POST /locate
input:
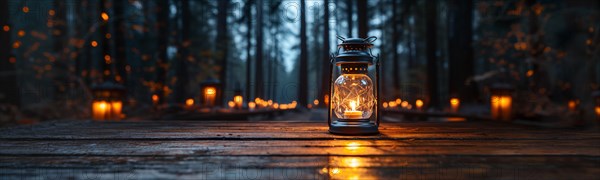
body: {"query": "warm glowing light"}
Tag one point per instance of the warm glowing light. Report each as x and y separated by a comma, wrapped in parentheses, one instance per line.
(108, 36)
(404, 104)
(155, 98)
(107, 59)
(51, 12)
(398, 101)
(385, 104)
(419, 104)
(270, 102)
(283, 106)
(239, 100)
(454, 104)
(352, 146)
(276, 105)
(94, 43)
(326, 99)
(210, 94)
(251, 105)
(316, 102)
(231, 104)
(6, 28)
(597, 111)
(501, 107)
(530, 73)
(21, 33)
(189, 102)
(25, 9)
(393, 104)
(353, 113)
(572, 105)
(104, 16)
(104, 110)
(335, 171)
(352, 162)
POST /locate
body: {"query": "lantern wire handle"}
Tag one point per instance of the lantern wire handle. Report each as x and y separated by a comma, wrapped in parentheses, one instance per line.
(369, 39)
(340, 38)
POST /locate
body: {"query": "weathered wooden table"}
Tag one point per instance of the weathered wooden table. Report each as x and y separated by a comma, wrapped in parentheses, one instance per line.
(294, 150)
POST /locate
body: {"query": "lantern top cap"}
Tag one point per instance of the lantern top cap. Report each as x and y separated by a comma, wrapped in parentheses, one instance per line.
(210, 81)
(108, 85)
(357, 41)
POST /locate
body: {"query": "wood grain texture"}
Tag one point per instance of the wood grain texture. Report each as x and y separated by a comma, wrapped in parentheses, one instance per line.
(294, 150)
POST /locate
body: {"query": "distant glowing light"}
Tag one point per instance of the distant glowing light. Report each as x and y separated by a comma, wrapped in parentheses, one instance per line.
(189, 102)
(419, 103)
(21, 33)
(316, 102)
(231, 104)
(94, 43)
(51, 12)
(25, 9)
(6, 28)
(530, 73)
(104, 16)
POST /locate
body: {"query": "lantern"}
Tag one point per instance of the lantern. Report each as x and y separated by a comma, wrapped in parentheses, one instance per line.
(210, 92)
(108, 101)
(501, 101)
(354, 97)
(454, 105)
(238, 99)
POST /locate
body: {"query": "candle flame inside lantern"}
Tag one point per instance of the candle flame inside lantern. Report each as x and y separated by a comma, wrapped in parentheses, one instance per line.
(353, 105)
(238, 100)
(454, 104)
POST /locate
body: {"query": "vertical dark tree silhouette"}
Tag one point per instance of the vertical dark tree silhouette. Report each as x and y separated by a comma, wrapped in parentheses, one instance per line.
(258, 69)
(325, 86)
(104, 31)
(183, 52)
(395, 38)
(349, 5)
(460, 50)
(362, 7)
(9, 93)
(120, 27)
(248, 17)
(162, 19)
(303, 73)
(431, 48)
(60, 50)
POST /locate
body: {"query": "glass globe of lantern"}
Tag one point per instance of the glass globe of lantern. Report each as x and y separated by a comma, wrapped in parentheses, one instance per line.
(107, 103)
(353, 108)
(501, 101)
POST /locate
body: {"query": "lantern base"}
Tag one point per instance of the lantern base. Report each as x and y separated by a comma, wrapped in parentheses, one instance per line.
(353, 128)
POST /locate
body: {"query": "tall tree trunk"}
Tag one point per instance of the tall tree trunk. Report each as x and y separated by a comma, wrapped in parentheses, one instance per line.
(349, 5)
(61, 63)
(182, 74)
(223, 43)
(362, 7)
(395, 38)
(460, 50)
(104, 31)
(120, 59)
(303, 73)
(432, 65)
(163, 41)
(325, 86)
(248, 16)
(9, 93)
(259, 51)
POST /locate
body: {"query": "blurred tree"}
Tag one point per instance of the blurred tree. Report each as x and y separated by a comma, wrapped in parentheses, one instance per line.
(182, 81)
(10, 91)
(460, 50)
(259, 67)
(325, 61)
(431, 53)
(222, 42)
(303, 73)
(362, 9)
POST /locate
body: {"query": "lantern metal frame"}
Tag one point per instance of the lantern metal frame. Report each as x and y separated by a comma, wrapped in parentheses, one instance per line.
(214, 83)
(364, 58)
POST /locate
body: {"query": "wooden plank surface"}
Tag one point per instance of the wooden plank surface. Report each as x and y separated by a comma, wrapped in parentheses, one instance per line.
(294, 150)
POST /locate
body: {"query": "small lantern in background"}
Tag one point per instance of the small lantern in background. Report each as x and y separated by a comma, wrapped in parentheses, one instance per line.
(501, 101)
(251, 106)
(238, 99)
(454, 105)
(572, 105)
(108, 101)
(419, 103)
(354, 106)
(210, 92)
